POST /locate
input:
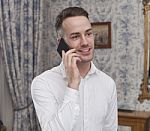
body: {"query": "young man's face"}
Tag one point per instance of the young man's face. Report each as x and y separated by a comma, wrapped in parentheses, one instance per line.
(78, 34)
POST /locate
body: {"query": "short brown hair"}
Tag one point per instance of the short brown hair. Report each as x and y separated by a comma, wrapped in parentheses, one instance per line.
(69, 12)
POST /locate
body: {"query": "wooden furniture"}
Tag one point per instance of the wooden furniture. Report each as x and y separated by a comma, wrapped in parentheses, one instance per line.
(137, 120)
(145, 93)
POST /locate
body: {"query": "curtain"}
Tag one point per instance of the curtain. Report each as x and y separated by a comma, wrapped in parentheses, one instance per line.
(21, 40)
(5, 100)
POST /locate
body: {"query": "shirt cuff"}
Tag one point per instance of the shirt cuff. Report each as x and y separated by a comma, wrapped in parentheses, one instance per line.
(72, 94)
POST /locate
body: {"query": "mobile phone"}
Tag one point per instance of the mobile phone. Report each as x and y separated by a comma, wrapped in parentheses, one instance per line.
(62, 46)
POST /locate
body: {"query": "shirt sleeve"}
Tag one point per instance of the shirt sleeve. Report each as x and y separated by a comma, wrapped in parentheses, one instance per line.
(111, 120)
(52, 115)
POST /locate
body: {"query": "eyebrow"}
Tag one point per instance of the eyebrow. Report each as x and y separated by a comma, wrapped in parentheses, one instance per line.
(76, 33)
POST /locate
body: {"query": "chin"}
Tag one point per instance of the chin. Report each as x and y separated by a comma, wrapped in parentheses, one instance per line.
(86, 60)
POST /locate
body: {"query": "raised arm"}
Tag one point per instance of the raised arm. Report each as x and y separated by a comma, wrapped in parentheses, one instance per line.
(54, 115)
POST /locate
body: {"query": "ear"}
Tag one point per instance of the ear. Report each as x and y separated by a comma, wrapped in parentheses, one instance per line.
(59, 36)
(58, 40)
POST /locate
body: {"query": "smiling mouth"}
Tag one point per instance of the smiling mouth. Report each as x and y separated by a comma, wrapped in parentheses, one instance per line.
(84, 50)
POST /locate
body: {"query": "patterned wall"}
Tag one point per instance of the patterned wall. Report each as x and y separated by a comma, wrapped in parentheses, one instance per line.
(124, 61)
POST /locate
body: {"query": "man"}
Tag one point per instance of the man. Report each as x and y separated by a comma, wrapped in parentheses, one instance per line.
(75, 96)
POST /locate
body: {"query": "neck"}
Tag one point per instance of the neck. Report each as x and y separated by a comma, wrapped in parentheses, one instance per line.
(84, 68)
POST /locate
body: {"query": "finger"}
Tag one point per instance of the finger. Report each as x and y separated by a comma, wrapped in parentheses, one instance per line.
(70, 57)
(70, 51)
(64, 58)
(63, 54)
(75, 60)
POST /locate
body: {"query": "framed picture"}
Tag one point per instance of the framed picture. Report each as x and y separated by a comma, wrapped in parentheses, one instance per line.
(102, 33)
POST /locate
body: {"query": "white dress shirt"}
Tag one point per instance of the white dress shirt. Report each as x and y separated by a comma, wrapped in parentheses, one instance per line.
(60, 108)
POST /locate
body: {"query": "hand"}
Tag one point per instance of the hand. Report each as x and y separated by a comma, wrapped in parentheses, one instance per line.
(70, 59)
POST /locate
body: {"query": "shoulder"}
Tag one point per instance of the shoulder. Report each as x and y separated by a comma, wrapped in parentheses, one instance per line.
(103, 76)
(107, 81)
(48, 76)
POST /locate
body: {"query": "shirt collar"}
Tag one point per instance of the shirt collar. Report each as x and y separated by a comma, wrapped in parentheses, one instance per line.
(92, 70)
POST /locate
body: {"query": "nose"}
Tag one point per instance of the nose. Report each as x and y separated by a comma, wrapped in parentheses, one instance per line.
(83, 40)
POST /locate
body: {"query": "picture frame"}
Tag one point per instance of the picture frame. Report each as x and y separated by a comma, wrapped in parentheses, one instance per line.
(102, 34)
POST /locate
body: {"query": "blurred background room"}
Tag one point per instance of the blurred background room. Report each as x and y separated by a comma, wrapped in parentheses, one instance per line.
(28, 47)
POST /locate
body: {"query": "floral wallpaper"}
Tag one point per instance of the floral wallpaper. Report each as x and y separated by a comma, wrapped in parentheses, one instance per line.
(124, 61)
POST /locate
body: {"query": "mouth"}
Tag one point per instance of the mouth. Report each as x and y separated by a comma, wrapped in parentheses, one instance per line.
(84, 51)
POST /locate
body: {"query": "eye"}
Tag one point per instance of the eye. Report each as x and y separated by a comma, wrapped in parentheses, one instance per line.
(75, 37)
(89, 34)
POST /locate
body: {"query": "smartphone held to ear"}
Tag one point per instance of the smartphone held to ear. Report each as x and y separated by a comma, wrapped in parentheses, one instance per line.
(62, 46)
